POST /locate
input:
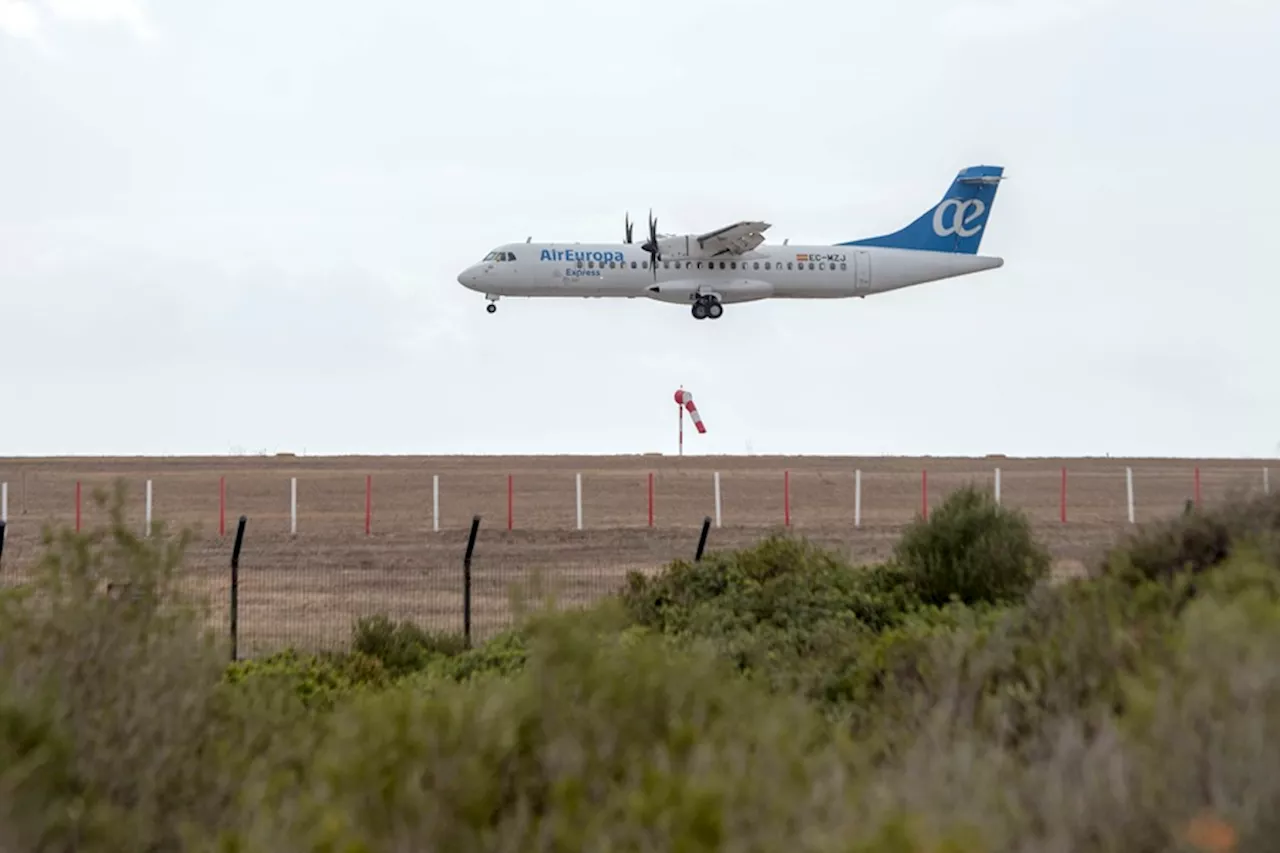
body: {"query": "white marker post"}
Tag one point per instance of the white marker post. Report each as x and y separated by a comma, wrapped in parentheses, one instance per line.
(717, 479)
(997, 486)
(148, 531)
(1128, 476)
(293, 506)
(435, 502)
(578, 479)
(4, 502)
(857, 498)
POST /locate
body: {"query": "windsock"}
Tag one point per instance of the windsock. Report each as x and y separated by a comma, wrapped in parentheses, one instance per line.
(684, 398)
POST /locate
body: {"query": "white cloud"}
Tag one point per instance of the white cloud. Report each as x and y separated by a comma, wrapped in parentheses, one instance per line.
(20, 19)
(26, 18)
(127, 12)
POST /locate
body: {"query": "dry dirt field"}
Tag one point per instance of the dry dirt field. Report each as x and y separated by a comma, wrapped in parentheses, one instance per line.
(307, 590)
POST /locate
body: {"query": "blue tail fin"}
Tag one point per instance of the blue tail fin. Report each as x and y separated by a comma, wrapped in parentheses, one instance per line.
(956, 223)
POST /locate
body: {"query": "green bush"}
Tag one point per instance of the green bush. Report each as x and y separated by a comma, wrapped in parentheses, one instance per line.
(596, 744)
(319, 681)
(403, 647)
(783, 583)
(1194, 542)
(766, 698)
(973, 550)
(115, 713)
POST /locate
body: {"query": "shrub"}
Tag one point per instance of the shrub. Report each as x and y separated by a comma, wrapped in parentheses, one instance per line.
(403, 647)
(1194, 542)
(112, 708)
(783, 583)
(596, 744)
(973, 550)
(318, 681)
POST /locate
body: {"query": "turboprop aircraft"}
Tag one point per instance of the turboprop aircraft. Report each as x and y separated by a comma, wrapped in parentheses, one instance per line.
(732, 264)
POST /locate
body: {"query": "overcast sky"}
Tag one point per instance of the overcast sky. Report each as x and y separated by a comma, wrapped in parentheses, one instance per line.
(238, 225)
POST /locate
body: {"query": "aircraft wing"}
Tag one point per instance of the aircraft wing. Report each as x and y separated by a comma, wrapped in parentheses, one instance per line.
(736, 239)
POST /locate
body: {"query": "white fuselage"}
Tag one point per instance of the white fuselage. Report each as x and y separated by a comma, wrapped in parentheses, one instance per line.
(622, 270)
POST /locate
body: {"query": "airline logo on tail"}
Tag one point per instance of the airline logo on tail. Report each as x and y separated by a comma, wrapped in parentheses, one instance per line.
(955, 224)
(966, 211)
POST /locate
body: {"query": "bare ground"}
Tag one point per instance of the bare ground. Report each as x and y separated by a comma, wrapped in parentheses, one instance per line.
(307, 590)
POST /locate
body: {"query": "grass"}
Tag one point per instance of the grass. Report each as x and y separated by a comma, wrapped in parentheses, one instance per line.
(952, 698)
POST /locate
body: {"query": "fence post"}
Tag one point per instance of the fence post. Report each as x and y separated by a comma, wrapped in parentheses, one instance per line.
(435, 502)
(1062, 498)
(578, 483)
(148, 531)
(717, 482)
(786, 498)
(235, 589)
(3, 525)
(651, 499)
(293, 506)
(997, 487)
(466, 580)
(857, 498)
(702, 540)
(1128, 476)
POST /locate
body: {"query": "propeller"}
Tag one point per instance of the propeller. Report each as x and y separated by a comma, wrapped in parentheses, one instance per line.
(652, 246)
(629, 223)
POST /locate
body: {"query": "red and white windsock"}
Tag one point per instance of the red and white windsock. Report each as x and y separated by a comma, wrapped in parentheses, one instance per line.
(684, 398)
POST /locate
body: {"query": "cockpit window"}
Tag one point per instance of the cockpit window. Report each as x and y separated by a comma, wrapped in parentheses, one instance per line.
(499, 257)
(492, 256)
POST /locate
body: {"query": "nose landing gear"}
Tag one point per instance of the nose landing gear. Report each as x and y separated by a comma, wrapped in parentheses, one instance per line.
(492, 307)
(707, 307)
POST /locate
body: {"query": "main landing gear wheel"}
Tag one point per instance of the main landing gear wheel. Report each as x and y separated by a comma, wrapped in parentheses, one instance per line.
(491, 308)
(707, 307)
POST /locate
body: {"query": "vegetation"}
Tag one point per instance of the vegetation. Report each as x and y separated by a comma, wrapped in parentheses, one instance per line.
(955, 698)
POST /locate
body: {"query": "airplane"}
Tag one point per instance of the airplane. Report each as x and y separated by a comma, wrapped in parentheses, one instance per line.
(732, 265)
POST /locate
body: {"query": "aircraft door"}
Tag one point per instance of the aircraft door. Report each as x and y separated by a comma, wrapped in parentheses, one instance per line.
(862, 272)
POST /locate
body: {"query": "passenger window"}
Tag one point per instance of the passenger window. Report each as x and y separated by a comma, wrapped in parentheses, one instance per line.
(767, 265)
(612, 265)
(755, 265)
(822, 266)
(842, 265)
(733, 265)
(810, 264)
(644, 265)
(699, 264)
(633, 264)
(579, 264)
(722, 265)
